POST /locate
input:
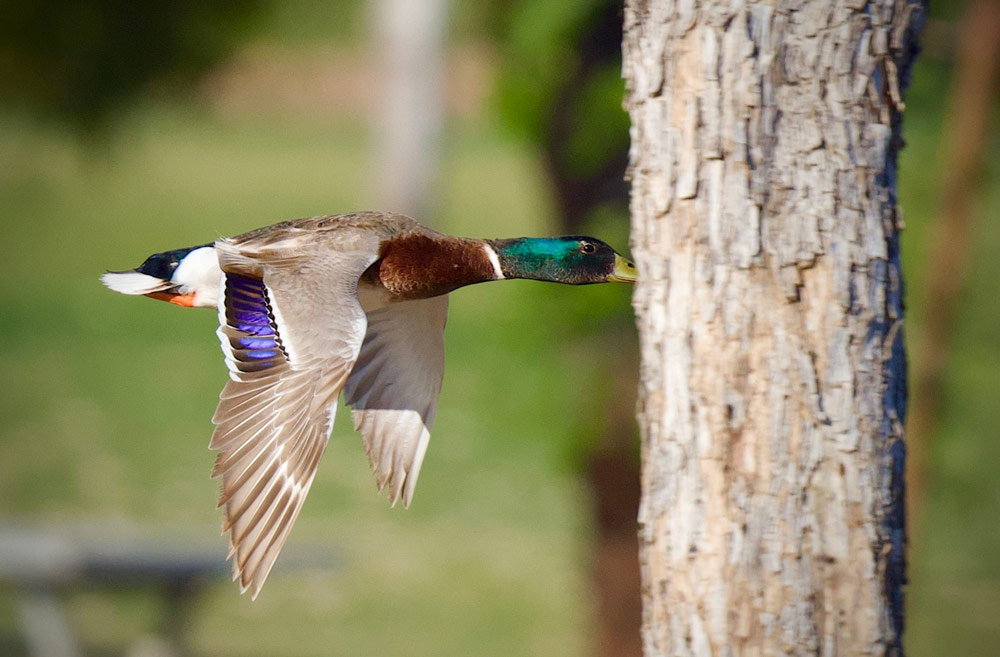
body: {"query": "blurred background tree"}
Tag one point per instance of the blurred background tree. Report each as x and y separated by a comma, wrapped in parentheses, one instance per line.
(224, 116)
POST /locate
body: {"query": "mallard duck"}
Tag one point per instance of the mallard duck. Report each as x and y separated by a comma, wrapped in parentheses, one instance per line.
(310, 308)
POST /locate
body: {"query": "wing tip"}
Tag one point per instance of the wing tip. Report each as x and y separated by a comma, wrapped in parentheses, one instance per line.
(246, 580)
(408, 493)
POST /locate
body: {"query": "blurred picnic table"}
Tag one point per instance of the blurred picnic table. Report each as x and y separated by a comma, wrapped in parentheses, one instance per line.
(46, 563)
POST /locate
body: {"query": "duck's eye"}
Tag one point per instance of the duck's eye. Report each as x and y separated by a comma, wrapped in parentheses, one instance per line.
(588, 247)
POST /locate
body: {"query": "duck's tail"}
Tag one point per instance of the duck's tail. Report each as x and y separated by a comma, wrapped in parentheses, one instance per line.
(185, 277)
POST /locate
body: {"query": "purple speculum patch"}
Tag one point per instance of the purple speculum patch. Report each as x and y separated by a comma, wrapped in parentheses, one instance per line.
(247, 311)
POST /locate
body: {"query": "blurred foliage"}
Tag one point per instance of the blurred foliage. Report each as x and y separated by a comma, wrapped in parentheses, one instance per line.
(80, 60)
(307, 23)
(560, 88)
(540, 54)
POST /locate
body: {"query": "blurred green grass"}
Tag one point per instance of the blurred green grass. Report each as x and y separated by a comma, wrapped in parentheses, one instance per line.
(107, 399)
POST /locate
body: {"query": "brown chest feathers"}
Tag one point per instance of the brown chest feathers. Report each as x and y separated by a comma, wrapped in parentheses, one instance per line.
(414, 266)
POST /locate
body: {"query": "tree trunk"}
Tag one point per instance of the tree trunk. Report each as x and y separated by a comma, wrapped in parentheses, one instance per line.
(772, 392)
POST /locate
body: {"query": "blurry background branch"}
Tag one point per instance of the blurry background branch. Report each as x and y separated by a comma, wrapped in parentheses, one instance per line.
(971, 109)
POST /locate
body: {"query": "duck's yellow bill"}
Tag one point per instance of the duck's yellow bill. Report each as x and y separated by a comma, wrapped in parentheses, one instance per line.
(624, 271)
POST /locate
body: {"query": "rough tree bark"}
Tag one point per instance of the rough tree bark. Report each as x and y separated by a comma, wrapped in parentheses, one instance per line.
(772, 393)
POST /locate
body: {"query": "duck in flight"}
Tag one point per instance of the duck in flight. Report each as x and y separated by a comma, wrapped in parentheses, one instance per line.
(312, 308)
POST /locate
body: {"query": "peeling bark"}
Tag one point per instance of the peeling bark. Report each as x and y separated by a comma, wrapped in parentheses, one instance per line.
(772, 392)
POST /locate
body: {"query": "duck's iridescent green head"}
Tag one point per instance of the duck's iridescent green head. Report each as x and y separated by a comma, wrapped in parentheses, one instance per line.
(573, 259)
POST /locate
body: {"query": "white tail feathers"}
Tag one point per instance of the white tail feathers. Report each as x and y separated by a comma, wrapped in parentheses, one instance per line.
(133, 282)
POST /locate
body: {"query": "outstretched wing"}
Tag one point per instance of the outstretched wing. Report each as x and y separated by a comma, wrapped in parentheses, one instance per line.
(393, 389)
(289, 346)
